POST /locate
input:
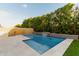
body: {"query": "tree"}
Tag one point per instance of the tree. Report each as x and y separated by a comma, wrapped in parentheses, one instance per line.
(63, 20)
(27, 23)
(18, 25)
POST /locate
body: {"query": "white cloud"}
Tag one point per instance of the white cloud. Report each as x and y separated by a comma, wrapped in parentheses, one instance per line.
(4, 13)
(24, 5)
(9, 19)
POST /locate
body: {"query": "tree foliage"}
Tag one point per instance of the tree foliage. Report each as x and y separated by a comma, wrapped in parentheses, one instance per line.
(18, 25)
(63, 20)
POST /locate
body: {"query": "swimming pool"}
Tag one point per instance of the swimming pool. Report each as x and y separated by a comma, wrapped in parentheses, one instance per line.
(42, 43)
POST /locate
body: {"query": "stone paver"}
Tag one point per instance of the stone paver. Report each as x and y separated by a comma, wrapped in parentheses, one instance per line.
(13, 47)
(59, 49)
(20, 37)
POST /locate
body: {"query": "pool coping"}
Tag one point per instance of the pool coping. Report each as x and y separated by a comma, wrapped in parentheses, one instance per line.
(59, 49)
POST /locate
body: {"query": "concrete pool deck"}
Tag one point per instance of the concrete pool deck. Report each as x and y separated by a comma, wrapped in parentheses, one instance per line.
(14, 46)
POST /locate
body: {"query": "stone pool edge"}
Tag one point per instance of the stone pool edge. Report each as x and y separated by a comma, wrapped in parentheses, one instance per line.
(59, 49)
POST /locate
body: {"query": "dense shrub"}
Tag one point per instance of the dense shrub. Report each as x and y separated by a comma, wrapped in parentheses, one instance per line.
(63, 20)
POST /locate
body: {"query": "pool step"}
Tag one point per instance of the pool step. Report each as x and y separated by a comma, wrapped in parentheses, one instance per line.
(37, 46)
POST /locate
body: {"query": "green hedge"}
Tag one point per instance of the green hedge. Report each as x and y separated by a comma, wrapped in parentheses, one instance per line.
(63, 20)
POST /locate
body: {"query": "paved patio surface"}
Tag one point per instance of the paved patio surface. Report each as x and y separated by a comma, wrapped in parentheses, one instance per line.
(14, 46)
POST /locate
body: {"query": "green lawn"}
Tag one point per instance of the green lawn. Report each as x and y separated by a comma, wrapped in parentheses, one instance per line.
(73, 49)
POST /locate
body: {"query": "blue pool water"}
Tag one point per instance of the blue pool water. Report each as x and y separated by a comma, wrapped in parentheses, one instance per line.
(42, 43)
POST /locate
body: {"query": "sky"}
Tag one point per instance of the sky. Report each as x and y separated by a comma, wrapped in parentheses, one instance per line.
(14, 13)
